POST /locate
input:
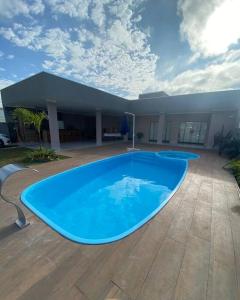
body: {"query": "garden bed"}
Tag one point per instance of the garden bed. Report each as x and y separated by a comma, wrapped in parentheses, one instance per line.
(21, 155)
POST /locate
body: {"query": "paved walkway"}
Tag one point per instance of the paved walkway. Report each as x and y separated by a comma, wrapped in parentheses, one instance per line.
(190, 250)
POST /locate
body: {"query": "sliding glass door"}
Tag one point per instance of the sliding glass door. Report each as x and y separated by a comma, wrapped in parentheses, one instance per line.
(153, 132)
(192, 132)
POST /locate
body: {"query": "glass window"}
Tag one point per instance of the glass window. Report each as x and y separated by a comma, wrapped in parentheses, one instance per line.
(192, 132)
(167, 133)
(153, 131)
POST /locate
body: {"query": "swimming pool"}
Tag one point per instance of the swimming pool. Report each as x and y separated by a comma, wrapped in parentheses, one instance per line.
(108, 199)
(178, 154)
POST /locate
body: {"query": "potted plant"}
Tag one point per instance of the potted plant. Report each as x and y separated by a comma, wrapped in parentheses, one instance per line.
(140, 136)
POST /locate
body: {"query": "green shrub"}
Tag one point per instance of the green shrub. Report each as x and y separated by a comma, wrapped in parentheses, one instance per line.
(41, 155)
(228, 145)
(234, 166)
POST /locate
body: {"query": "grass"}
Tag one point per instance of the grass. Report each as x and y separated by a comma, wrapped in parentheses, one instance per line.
(11, 155)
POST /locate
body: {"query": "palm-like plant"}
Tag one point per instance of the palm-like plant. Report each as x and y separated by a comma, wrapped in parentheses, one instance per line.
(29, 117)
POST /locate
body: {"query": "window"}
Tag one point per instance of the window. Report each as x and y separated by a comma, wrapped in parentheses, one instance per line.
(192, 132)
(153, 131)
(167, 133)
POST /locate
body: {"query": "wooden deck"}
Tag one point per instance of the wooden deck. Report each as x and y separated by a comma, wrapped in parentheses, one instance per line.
(190, 250)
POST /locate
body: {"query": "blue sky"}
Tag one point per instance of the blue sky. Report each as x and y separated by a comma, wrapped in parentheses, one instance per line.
(125, 47)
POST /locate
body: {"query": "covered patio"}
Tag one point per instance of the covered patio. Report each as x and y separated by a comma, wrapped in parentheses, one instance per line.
(76, 113)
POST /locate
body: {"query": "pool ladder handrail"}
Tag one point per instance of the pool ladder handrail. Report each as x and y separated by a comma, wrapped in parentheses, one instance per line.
(5, 172)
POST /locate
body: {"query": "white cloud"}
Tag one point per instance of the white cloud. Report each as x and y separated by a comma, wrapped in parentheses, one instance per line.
(233, 55)
(54, 42)
(20, 35)
(10, 56)
(116, 55)
(72, 8)
(223, 74)
(98, 14)
(122, 10)
(12, 8)
(4, 83)
(116, 59)
(210, 26)
(193, 58)
(212, 78)
(37, 7)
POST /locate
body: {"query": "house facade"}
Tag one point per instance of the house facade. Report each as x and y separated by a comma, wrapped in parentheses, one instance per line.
(78, 113)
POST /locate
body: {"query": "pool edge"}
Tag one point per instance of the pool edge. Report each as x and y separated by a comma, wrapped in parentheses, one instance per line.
(78, 240)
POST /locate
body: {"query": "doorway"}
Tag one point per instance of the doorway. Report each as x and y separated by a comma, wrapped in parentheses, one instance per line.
(192, 133)
(153, 131)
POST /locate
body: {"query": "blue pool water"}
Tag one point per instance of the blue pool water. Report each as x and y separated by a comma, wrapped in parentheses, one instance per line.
(178, 154)
(108, 199)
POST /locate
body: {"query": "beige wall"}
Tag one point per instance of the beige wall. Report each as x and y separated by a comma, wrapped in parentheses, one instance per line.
(176, 120)
(219, 121)
(215, 122)
(143, 125)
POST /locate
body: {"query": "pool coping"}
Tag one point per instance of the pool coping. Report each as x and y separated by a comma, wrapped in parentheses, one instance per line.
(75, 238)
(195, 156)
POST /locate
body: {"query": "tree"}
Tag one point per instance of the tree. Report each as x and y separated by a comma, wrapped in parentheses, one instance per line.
(29, 117)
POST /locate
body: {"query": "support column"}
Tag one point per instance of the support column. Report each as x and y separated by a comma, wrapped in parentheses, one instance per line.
(98, 128)
(215, 126)
(174, 133)
(53, 125)
(161, 125)
(212, 129)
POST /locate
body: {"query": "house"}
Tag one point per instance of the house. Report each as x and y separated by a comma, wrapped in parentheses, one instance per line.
(78, 113)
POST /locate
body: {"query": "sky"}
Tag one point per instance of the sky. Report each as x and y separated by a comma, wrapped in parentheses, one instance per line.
(125, 47)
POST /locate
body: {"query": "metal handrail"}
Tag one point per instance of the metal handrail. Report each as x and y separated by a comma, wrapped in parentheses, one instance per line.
(5, 172)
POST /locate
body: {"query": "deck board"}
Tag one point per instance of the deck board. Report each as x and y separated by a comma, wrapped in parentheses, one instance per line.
(201, 222)
(189, 250)
(134, 269)
(162, 278)
(193, 277)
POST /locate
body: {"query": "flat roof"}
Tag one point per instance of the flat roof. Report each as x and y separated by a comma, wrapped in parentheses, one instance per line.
(35, 91)
(189, 103)
(69, 95)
